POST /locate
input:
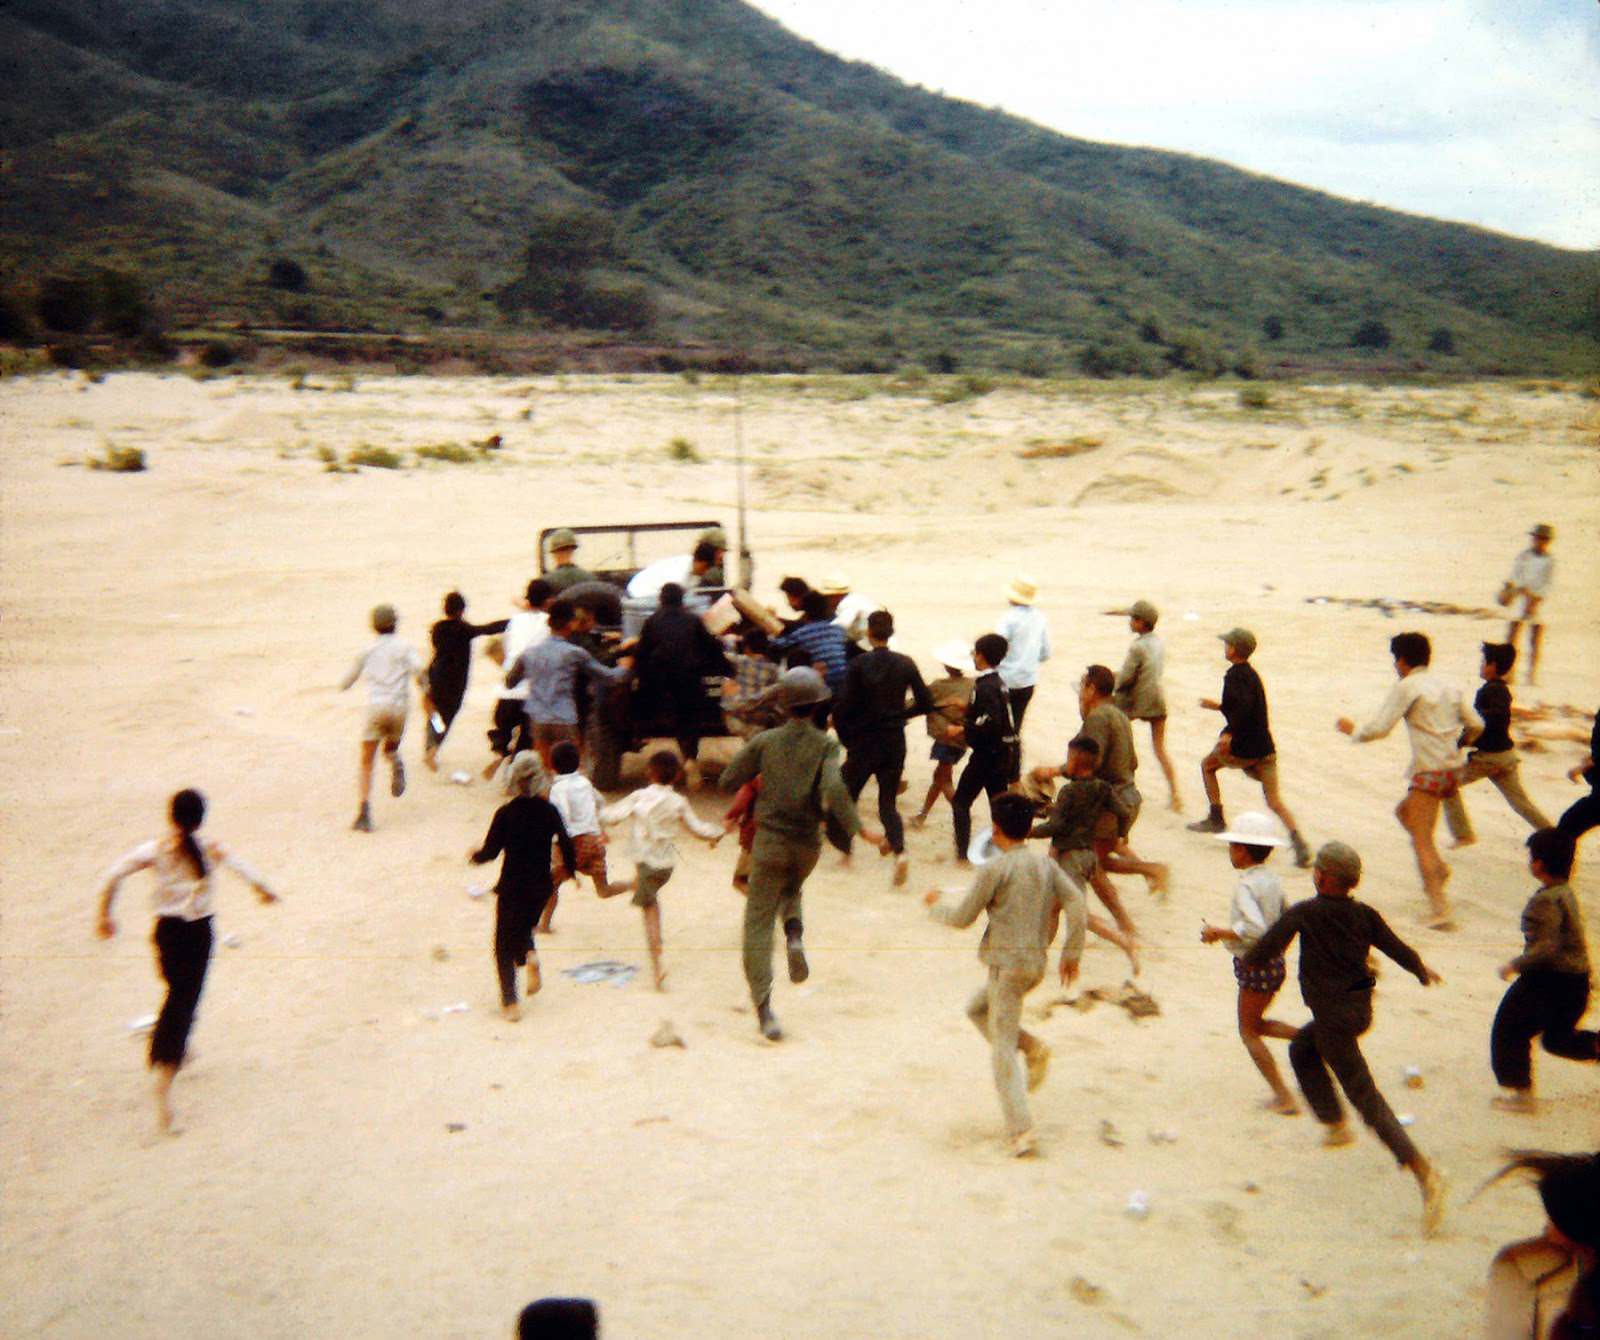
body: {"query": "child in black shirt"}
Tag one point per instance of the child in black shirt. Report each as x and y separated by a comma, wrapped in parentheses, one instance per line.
(1493, 754)
(447, 673)
(1336, 933)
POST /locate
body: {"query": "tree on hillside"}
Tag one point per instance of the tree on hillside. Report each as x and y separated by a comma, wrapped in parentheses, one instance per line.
(288, 275)
(1442, 341)
(1371, 335)
(1272, 328)
(559, 280)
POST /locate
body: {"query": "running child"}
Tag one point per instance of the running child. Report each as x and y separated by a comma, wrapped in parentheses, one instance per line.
(1336, 935)
(183, 865)
(1258, 902)
(388, 666)
(578, 803)
(523, 829)
(1549, 989)
(1024, 893)
(991, 735)
(1493, 755)
(1083, 817)
(448, 672)
(1139, 692)
(950, 695)
(657, 811)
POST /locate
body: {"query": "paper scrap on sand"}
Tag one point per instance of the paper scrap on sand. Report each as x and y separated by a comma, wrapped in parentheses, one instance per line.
(602, 970)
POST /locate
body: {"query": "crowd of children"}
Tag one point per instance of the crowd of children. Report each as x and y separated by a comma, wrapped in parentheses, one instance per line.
(817, 731)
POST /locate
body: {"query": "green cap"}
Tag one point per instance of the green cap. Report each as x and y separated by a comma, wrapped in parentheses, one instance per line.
(714, 536)
(1340, 859)
(561, 539)
(1242, 639)
(1144, 611)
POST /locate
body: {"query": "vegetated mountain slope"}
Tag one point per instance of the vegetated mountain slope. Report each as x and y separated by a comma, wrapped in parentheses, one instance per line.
(760, 190)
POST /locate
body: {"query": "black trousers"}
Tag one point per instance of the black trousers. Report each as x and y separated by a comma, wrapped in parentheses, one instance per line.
(446, 700)
(510, 732)
(514, 917)
(1019, 699)
(1580, 816)
(990, 773)
(1538, 1003)
(883, 756)
(183, 951)
(1331, 1041)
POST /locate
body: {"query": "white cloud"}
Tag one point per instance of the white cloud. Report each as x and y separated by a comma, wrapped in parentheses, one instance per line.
(1485, 111)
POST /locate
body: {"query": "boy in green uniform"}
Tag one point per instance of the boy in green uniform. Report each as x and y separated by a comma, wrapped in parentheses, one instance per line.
(798, 763)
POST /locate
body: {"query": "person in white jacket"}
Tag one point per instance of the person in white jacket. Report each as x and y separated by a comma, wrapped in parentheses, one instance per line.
(657, 811)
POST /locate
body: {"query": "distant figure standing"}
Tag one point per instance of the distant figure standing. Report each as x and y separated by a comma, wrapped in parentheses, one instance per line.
(564, 572)
(1529, 583)
(1139, 692)
(388, 666)
(1027, 635)
(1493, 754)
(183, 866)
(1437, 720)
(1245, 742)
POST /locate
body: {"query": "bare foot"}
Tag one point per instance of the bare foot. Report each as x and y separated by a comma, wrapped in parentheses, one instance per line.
(1284, 1106)
(1338, 1136)
(430, 760)
(1432, 1182)
(1038, 1063)
(511, 1013)
(1463, 842)
(1023, 1145)
(535, 978)
(661, 979)
(1160, 880)
(1441, 921)
(918, 820)
(494, 767)
(1175, 804)
(1520, 1101)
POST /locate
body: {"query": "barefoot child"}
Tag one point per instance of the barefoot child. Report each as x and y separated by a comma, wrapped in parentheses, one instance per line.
(578, 803)
(388, 665)
(448, 671)
(1258, 902)
(183, 865)
(950, 698)
(1549, 989)
(1493, 754)
(1336, 934)
(1083, 812)
(1138, 690)
(1438, 722)
(1023, 892)
(657, 810)
(523, 829)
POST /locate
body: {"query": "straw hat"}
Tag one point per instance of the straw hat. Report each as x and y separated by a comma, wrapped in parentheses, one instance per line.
(1022, 591)
(1255, 829)
(835, 584)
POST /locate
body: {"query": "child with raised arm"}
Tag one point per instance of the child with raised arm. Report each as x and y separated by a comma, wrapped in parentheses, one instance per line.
(388, 666)
(1084, 814)
(1493, 754)
(1258, 902)
(523, 829)
(657, 811)
(950, 695)
(578, 803)
(183, 865)
(1336, 935)
(1549, 989)
(448, 672)
(1023, 892)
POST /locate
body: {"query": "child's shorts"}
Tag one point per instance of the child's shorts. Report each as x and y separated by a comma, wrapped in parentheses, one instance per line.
(385, 725)
(651, 878)
(1266, 977)
(947, 753)
(591, 854)
(1443, 783)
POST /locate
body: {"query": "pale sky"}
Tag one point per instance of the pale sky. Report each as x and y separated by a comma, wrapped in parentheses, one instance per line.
(1482, 111)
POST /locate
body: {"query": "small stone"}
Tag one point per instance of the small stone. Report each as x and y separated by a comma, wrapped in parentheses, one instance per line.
(1109, 1136)
(454, 1126)
(1085, 1292)
(441, 954)
(1251, 1188)
(667, 1036)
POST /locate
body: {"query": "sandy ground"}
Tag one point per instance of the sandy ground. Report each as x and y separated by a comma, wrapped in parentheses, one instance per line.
(186, 626)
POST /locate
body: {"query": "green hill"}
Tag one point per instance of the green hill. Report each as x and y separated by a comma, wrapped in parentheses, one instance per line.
(687, 171)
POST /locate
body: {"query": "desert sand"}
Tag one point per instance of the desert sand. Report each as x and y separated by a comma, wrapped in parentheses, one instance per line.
(358, 1161)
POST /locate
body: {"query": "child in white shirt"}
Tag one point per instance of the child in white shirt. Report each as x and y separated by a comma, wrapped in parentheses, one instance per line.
(578, 803)
(1258, 902)
(656, 811)
(388, 666)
